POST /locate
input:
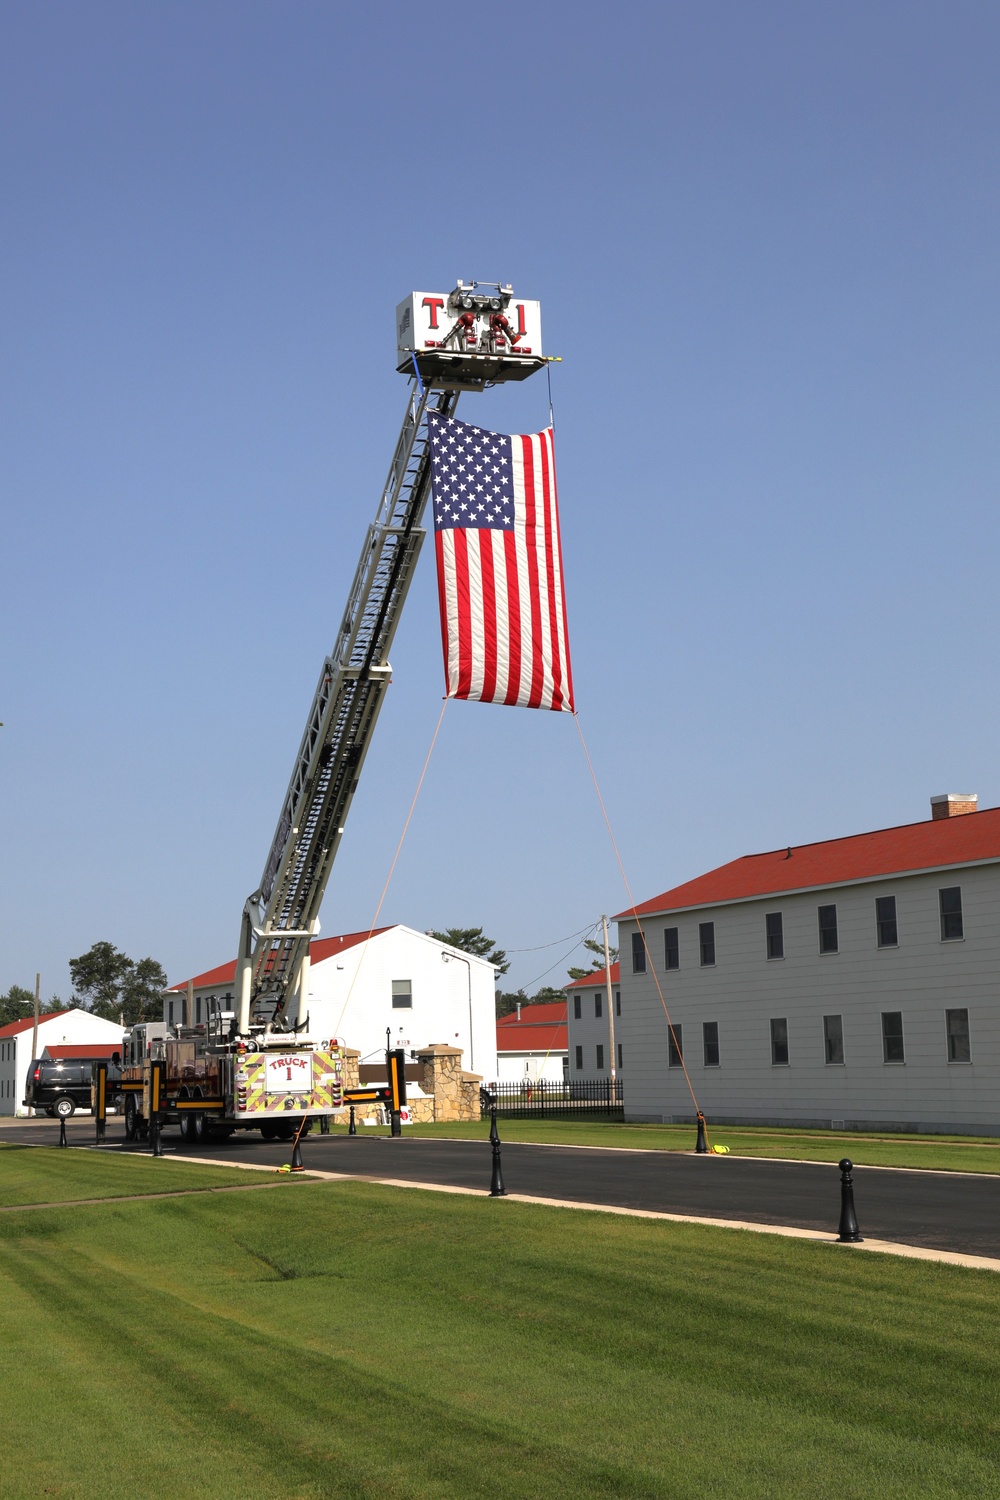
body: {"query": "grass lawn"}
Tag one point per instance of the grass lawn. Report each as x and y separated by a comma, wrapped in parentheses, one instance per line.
(44, 1174)
(942, 1153)
(354, 1341)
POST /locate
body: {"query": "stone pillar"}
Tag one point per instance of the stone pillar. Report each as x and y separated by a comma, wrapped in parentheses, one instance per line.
(349, 1072)
(455, 1092)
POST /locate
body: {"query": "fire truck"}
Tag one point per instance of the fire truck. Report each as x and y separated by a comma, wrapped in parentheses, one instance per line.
(258, 1066)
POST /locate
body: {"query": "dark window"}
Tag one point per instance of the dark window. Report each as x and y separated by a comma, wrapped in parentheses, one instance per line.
(402, 994)
(638, 954)
(892, 1036)
(600, 1059)
(885, 921)
(833, 1038)
(957, 1025)
(576, 1007)
(706, 942)
(951, 913)
(671, 948)
(779, 1040)
(618, 1002)
(598, 1005)
(775, 935)
(619, 1054)
(675, 1046)
(579, 1057)
(710, 1035)
(827, 929)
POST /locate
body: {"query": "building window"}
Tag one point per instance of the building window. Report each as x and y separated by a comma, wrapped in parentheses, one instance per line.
(957, 1026)
(671, 948)
(618, 1002)
(402, 994)
(885, 921)
(600, 1058)
(619, 1055)
(827, 929)
(638, 954)
(892, 1036)
(775, 935)
(579, 1057)
(710, 1037)
(951, 913)
(833, 1038)
(779, 1041)
(675, 1047)
(706, 942)
(598, 1005)
(576, 1007)
(197, 1011)
(170, 1017)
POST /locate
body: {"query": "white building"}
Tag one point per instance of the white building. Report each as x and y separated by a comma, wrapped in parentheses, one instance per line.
(423, 991)
(588, 1022)
(531, 1044)
(64, 1026)
(853, 983)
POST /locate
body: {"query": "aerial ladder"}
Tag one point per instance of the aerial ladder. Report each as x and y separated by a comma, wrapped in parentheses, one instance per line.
(258, 1067)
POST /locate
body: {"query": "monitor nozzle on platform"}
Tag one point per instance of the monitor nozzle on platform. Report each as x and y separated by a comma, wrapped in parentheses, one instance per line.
(476, 336)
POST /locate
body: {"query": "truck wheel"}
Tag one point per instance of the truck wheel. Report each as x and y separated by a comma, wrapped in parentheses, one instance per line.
(64, 1107)
(131, 1118)
(196, 1128)
(269, 1131)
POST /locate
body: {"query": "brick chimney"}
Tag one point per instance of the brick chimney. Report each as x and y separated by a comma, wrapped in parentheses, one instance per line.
(954, 805)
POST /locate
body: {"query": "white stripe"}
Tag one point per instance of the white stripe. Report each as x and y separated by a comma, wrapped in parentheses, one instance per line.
(475, 613)
(523, 581)
(502, 615)
(451, 609)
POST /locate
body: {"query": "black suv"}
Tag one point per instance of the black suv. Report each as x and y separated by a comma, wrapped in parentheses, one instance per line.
(61, 1088)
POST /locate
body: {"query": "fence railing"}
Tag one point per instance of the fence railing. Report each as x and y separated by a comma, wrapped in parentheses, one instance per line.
(548, 1097)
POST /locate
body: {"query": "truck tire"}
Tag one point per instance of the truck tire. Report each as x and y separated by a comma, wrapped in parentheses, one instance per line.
(64, 1107)
(131, 1118)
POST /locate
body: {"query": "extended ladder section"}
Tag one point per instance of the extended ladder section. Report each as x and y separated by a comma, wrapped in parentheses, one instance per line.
(282, 915)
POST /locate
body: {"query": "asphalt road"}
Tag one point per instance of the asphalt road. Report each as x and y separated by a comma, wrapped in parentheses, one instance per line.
(944, 1211)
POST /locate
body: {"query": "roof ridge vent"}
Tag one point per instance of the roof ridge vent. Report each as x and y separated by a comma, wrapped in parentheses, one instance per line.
(954, 805)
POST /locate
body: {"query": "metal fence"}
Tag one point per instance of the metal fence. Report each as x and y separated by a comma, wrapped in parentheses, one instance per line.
(546, 1097)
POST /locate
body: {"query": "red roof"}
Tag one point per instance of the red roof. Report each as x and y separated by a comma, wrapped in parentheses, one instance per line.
(597, 979)
(542, 1028)
(16, 1027)
(971, 838)
(319, 950)
(88, 1049)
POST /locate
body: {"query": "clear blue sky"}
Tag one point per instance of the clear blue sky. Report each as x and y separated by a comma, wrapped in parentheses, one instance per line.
(765, 241)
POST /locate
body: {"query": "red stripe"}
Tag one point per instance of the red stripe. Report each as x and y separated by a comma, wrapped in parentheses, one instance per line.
(570, 702)
(530, 539)
(550, 573)
(443, 604)
(513, 618)
(464, 614)
(485, 538)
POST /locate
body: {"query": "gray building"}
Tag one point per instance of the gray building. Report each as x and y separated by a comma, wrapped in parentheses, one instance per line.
(853, 983)
(588, 1027)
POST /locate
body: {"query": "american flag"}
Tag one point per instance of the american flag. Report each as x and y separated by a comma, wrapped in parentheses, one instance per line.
(500, 585)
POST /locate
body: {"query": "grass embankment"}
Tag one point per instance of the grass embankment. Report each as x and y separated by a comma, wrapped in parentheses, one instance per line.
(932, 1152)
(43, 1174)
(355, 1341)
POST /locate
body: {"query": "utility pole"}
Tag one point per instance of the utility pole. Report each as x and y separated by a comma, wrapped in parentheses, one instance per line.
(611, 1001)
(34, 1034)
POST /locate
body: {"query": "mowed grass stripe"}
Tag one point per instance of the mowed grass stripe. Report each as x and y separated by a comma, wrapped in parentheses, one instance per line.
(30, 1175)
(349, 1340)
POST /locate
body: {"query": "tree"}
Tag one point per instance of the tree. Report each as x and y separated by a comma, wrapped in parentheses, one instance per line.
(116, 987)
(473, 940)
(508, 1002)
(597, 949)
(17, 1005)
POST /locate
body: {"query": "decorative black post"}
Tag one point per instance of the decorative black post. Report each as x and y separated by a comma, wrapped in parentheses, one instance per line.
(62, 1132)
(702, 1147)
(352, 1129)
(497, 1189)
(849, 1234)
(324, 1124)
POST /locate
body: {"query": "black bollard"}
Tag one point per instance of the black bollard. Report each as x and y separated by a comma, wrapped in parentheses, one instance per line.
(849, 1234)
(324, 1124)
(352, 1129)
(62, 1132)
(702, 1146)
(154, 1135)
(497, 1189)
